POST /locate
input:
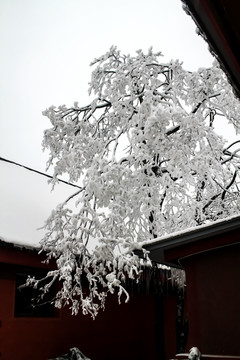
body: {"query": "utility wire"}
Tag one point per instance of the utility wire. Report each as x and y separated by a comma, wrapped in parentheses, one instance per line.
(38, 172)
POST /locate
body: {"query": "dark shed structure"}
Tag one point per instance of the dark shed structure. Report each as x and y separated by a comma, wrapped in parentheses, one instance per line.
(210, 255)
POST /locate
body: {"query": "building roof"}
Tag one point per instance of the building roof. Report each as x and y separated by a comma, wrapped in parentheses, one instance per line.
(218, 22)
(172, 248)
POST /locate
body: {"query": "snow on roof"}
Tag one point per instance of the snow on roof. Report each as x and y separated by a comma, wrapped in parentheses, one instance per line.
(26, 201)
(193, 232)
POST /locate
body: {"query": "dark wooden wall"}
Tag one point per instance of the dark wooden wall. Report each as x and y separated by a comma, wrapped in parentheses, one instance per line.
(128, 331)
(213, 300)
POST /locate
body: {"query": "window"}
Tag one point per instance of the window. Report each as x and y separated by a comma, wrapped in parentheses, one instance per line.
(28, 302)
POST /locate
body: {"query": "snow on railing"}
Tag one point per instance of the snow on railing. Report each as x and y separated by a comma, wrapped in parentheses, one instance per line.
(195, 354)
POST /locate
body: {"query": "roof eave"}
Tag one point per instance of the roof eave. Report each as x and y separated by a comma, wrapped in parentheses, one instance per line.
(158, 248)
(215, 36)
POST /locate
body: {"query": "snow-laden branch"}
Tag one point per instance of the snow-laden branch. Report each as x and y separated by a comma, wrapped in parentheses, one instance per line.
(149, 163)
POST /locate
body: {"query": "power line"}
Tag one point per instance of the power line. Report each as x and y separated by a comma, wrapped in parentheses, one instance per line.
(38, 172)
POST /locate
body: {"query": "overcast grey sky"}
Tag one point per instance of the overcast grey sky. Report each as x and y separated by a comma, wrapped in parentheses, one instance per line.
(46, 48)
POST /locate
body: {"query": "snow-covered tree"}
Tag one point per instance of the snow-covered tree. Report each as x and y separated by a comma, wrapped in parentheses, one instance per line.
(148, 162)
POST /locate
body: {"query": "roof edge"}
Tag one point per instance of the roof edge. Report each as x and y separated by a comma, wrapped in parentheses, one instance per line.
(195, 234)
(214, 39)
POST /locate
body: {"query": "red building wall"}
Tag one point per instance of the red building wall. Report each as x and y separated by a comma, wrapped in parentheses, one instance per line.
(213, 299)
(120, 332)
(127, 331)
